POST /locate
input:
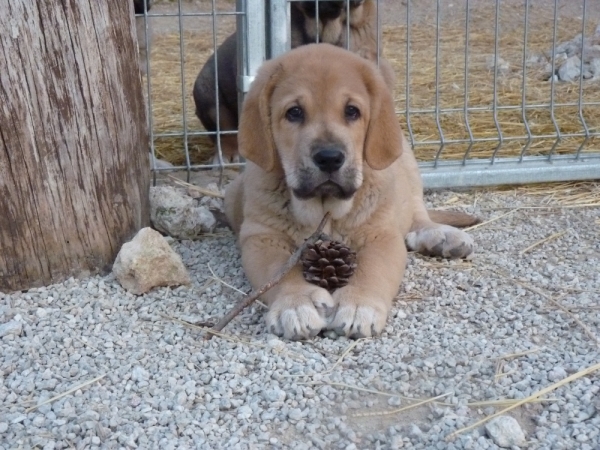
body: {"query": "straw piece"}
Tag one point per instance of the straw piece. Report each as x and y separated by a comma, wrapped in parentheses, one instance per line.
(405, 408)
(555, 303)
(491, 220)
(193, 187)
(356, 388)
(533, 396)
(228, 337)
(343, 355)
(543, 241)
(519, 354)
(64, 394)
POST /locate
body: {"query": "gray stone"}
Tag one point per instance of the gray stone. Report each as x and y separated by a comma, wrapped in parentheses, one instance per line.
(156, 163)
(505, 431)
(179, 215)
(274, 395)
(570, 70)
(491, 62)
(12, 327)
(394, 401)
(147, 261)
(556, 374)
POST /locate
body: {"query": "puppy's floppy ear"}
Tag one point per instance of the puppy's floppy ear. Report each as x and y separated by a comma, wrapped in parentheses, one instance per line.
(383, 143)
(255, 135)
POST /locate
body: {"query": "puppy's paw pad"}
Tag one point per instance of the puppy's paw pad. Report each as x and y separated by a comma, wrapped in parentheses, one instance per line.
(441, 240)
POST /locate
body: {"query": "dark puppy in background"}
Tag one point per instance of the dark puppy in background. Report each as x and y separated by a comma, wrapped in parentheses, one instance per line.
(333, 19)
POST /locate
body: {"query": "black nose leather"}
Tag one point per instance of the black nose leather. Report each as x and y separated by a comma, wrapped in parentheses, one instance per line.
(329, 159)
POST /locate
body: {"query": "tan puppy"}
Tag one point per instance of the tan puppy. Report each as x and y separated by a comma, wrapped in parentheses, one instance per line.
(331, 28)
(320, 134)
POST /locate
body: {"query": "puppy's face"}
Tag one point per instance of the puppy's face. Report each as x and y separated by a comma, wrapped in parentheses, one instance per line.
(319, 122)
(317, 115)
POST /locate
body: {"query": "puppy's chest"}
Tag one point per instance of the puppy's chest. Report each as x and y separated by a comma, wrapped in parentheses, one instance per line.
(302, 218)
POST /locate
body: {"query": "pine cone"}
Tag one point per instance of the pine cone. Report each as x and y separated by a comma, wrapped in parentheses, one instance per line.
(328, 264)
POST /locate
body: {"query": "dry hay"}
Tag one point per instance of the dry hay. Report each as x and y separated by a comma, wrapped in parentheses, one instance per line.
(167, 93)
(168, 98)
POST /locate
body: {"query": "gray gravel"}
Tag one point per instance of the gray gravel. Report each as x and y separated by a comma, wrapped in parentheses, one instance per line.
(450, 331)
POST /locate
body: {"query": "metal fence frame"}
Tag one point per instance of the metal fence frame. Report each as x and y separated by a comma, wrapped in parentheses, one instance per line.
(264, 31)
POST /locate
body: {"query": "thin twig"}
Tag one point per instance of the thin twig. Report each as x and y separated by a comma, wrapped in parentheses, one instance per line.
(70, 391)
(224, 283)
(289, 265)
(549, 238)
(533, 396)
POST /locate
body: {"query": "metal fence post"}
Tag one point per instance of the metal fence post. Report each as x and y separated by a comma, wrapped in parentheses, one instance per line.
(280, 40)
(251, 43)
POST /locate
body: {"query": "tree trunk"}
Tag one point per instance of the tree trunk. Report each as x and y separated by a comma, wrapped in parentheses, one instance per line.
(74, 170)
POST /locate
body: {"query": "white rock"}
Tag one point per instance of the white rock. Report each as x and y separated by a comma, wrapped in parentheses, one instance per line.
(394, 401)
(139, 374)
(12, 327)
(557, 373)
(175, 213)
(570, 70)
(147, 261)
(159, 163)
(536, 59)
(274, 395)
(594, 68)
(503, 66)
(244, 412)
(505, 431)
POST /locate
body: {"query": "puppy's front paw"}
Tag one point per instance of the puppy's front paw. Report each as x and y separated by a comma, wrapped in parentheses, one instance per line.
(440, 240)
(358, 314)
(300, 315)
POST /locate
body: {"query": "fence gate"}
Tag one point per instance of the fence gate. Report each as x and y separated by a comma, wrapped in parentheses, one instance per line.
(488, 93)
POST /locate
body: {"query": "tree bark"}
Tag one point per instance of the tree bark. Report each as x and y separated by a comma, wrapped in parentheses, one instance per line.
(74, 170)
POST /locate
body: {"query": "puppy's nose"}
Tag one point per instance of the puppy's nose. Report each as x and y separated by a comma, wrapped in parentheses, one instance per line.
(329, 159)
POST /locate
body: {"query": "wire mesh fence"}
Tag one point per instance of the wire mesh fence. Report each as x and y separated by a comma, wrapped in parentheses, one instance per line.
(487, 92)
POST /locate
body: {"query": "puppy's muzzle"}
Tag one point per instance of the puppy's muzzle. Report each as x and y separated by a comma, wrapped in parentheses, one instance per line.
(328, 158)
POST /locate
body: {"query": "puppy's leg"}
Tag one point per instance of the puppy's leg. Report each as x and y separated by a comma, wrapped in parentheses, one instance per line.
(297, 309)
(229, 143)
(436, 239)
(234, 203)
(364, 304)
(426, 236)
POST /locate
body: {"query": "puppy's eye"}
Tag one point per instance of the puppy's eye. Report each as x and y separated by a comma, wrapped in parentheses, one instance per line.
(352, 112)
(294, 114)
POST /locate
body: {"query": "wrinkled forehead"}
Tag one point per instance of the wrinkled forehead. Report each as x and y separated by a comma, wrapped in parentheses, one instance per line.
(324, 84)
